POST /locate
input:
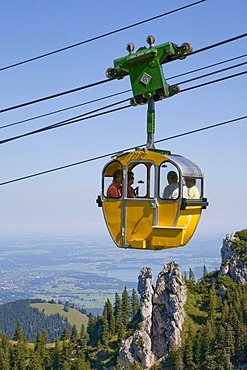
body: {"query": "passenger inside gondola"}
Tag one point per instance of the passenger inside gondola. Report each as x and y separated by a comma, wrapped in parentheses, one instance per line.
(115, 188)
(193, 192)
(171, 191)
(130, 190)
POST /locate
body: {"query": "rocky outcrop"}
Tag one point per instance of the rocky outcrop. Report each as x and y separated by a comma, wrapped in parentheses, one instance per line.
(232, 265)
(161, 317)
(138, 347)
(168, 310)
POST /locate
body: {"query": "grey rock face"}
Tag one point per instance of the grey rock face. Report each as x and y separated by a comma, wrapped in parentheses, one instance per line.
(138, 345)
(168, 312)
(232, 265)
(162, 316)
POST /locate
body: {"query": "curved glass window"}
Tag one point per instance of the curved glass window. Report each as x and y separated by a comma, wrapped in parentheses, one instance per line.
(194, 187)
(169, 184)
(112, 180)
(140, 180)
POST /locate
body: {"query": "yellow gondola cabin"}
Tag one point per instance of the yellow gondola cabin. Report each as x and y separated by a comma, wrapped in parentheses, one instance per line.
(149, 220)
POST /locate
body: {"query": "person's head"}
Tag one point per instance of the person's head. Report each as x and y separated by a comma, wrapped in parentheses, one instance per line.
(118, 176)
(172, 177)
(131, 178)
(190, 182)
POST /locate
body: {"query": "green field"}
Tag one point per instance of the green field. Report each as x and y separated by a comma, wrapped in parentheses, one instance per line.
(74, 317)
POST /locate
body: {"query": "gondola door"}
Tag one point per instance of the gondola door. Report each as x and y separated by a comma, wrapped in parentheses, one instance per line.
(139, 213)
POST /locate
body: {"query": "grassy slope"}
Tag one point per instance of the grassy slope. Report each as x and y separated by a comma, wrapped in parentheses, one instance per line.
(74, 316)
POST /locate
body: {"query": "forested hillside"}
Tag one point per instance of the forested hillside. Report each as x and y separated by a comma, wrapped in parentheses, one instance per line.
(213, 335)
(31, 319)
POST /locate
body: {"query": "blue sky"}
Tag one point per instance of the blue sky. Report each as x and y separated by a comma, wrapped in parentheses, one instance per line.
(64, 201)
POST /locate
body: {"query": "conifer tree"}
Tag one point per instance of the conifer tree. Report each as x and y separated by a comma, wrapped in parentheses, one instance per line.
(74, 335)
(65, 334)
(125, 307)
(55, 355)
(35, 362)
(109, 315)
(212, 304)
(205, 271)
(135, 304)
(18, 356)
(4, 360)
(91, 329)
(191, 275)
(19, 333)
(40, 349)
(64, 357)
(84, 337)
(178, 360)
(104, 333)
(117, 310)
(188, 354)
(80, 364)
(121, 331)
(4, 353)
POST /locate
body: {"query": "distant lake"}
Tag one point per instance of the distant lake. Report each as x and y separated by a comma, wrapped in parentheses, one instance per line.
(100, 256)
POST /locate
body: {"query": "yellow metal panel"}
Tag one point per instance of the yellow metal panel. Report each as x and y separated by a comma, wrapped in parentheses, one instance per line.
(113, 217)
(139, 155)
(194, 213)
(167, 237)
(139, 221)
(167, 213)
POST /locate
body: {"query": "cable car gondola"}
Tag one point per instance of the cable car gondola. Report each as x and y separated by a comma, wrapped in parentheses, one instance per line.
(151, 219)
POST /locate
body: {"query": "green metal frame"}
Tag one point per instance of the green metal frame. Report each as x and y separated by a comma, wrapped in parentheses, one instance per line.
(145, 70)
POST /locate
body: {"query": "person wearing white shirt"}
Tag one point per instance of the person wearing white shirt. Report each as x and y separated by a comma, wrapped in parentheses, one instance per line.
(171, 191)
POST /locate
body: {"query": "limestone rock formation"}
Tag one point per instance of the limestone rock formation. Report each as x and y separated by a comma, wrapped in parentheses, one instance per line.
(168, 312)
(162, 315)
(138, 346)
(232, 265)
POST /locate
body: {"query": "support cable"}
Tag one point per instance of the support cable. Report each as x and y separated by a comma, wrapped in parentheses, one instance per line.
(69, 121)
(211, 73)
(206, 67)
(78, 118)
(64, 109)
(107, 80)
(116, 94)
(54, 96)
(123, 150)
(100, 36)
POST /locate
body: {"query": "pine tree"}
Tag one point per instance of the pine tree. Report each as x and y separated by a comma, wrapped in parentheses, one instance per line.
(125, 307)
(178, 360)
(121, 331)
(55, 355)
(74, 335)
(35, 362)
(135, 304)
(109, 315)
(40, 349)
(188, 354)
(84, 337)
(18, 356)
(91, 329)
(65, 334)
(212, 304)
(19, 333)
(4, 353)
(64, 357)
(205, 271)
(104, 333)
(117, 311)
(191, 275)
(4, 360)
